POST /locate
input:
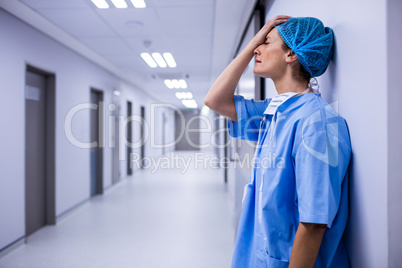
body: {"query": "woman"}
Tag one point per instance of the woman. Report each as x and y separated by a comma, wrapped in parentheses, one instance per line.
(295, 212)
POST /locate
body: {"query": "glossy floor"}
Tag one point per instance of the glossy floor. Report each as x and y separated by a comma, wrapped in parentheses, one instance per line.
(162, 219)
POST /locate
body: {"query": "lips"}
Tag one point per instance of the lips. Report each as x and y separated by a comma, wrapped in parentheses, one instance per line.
(257, 61)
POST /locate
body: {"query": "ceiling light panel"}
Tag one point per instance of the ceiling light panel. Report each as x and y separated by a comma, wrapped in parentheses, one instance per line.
(169, 83)
(189, 103)
(149, 60)
(182, 83)
(184, 95)
(176, 83)
(170, 60)
(159, 60)
(102, 4)
(139, 3)
(119, 3)
(178, 95)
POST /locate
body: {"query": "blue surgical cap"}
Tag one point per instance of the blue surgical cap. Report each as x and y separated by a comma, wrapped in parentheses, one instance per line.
(311, 41)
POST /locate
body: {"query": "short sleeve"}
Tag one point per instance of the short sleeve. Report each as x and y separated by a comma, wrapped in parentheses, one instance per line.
(321, 163)
(249, 115)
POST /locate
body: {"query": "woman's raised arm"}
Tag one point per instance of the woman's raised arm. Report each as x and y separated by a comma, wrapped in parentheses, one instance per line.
(220, 96)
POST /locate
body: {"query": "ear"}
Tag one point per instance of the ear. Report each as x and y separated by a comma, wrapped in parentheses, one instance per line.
(291, 56)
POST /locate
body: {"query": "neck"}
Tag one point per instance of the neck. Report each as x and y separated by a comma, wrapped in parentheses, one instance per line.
(287, 84)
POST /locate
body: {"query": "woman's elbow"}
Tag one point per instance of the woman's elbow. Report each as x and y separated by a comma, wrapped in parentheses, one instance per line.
(209, 103)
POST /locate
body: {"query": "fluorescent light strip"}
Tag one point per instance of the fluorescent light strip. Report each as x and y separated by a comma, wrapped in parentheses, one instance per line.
(139, 3)
(169, 83)
(149, 60)
(184, 95)
(119, 3)
(159, 60)
(100, 4)
(189, 103)
(170, 60)
(176, 83)
(183, 83)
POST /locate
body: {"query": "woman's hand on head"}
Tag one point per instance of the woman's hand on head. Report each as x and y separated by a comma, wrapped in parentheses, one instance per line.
(260, 37)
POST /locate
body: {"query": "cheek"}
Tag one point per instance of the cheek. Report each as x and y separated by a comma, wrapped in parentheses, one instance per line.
(275, 58)
(270, 55)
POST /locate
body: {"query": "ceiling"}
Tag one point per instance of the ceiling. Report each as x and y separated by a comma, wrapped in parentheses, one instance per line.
(201, 35)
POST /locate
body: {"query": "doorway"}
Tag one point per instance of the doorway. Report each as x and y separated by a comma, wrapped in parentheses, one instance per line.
(142, 151)
(115, 133)
(97, 119)
(40, 209)
(164, 120)
(129, 138)
(191, 140)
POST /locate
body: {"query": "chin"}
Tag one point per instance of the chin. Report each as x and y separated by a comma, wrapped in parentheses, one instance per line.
(260, 74)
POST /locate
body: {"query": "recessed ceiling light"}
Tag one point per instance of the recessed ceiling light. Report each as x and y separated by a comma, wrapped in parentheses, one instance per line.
(169, 83)
(149, 60)
(170, 60)
(176, 83)
(159, 60)
(119, 3)
(139, 3)
(100, 4)
(189, 103)
(184, 95)
(183, 83)
(205, 110)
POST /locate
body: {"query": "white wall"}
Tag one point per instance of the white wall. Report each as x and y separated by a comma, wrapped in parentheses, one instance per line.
(394, 21)
(357, 80)
(20, 45)
(153, 147)
(242, 152)
(207, 130)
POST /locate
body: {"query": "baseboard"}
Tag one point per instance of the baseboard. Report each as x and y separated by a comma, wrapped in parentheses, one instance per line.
(64, 215)
(60, 218)
(13, 246)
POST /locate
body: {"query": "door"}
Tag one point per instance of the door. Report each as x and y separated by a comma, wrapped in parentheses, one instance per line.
(35, 152)
(163, 133)
(96, 152)
(129, 138)
(116, 140)
(190, 140)
(142, 151)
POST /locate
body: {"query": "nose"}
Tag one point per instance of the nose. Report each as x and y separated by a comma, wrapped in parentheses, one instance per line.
(257, 51)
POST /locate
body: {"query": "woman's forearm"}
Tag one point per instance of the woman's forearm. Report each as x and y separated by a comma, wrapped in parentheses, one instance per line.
(220, 96)
(306, 245)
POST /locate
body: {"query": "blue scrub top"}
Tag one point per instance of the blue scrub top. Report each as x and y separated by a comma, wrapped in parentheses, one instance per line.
(299, 175)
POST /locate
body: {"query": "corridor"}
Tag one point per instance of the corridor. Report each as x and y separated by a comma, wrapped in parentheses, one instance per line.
(111, 108)
(166, 219)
